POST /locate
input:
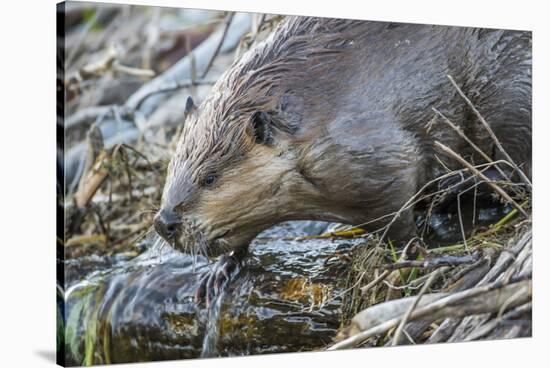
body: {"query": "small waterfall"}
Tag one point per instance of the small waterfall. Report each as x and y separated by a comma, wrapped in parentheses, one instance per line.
(213, 315)
(212, 329)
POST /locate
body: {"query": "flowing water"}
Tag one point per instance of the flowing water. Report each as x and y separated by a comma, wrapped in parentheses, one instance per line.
(285, 298)
(210, 340)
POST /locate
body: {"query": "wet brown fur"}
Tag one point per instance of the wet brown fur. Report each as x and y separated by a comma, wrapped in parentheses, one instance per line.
(349, 103)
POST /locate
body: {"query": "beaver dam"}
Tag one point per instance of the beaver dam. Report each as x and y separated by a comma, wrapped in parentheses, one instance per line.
(126, 295)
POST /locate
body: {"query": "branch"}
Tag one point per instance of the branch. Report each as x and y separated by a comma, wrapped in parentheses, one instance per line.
(434, 262)
(86, 115)
(228, 21)
(480, 300)
(407, 315)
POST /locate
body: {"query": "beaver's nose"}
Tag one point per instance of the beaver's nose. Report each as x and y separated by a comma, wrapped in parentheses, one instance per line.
(167, 224)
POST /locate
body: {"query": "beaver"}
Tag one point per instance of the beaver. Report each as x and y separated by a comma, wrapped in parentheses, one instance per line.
(332, 120)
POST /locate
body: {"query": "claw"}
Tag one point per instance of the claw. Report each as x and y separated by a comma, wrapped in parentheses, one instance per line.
(210, 289)
(200, 293)
(213, 282)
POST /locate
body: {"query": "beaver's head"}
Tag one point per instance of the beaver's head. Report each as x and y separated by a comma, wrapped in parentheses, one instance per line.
(232, 176)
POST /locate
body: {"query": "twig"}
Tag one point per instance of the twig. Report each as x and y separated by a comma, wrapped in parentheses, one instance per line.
(414, 284)
(479, 174)
(86, 115)
(100, 66)
(350, 233)
(138, 72)
(174, 87)
(434, 262)
(459, 131)
(375, 282)
(405, 318)
(228, 21)
(509, 302)
(386, 273)
(460, 221)
(485, 260)
(491, 133)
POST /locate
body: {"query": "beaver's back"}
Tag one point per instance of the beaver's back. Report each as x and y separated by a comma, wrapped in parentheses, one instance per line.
(339, 75)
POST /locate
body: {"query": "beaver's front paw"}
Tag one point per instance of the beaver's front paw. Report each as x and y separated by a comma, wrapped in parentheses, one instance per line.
(213, 282)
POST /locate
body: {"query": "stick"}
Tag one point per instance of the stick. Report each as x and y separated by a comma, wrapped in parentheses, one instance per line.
(434, 262)
(171, 88)
(374, 282)
(459, 131)
(228, 21)
(86, 115)
(138, 72)
(423, 291)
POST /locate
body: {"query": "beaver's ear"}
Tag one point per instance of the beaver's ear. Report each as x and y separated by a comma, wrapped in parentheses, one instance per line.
(189, 106)
(261, 124)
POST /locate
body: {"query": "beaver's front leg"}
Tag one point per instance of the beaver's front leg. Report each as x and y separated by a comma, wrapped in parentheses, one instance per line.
(225, 268)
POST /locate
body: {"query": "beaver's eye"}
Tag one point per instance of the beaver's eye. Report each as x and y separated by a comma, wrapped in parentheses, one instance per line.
(209, 179)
